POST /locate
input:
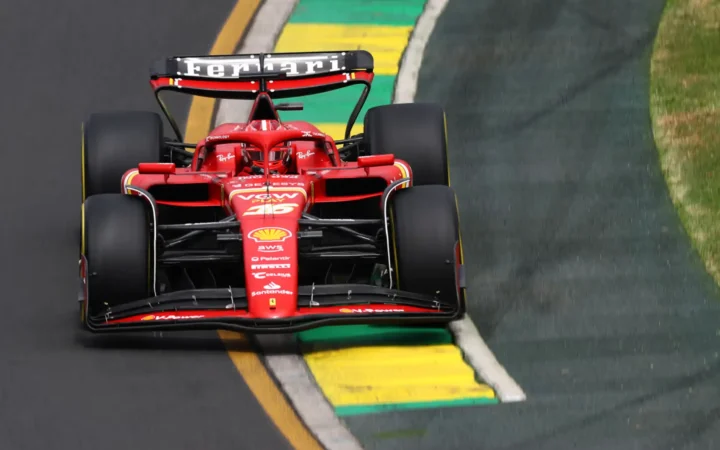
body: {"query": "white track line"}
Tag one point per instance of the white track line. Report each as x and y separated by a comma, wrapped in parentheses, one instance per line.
(287, 365)
(482, 359)
(407, 78)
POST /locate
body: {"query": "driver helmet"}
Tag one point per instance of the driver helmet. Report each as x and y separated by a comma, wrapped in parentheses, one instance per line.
(279, 157)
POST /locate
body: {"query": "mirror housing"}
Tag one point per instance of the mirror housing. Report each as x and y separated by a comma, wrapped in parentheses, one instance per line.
(157, 168)
(375, 160)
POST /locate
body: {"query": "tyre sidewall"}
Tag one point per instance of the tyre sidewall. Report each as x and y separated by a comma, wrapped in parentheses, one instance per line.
(117, 248)
(425, 238)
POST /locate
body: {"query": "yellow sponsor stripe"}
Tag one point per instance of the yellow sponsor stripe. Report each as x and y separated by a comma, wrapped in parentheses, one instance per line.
(405, 173)
(395, 374)
(386, 43)
(128, 180)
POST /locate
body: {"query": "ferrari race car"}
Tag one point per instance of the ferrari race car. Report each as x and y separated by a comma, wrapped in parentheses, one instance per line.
(268, 225)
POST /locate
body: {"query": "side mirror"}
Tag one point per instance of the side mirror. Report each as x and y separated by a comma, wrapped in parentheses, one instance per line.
(376, 160)
(157, 168)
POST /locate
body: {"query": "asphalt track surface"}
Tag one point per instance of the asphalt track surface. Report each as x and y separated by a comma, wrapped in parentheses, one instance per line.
(61, 61)
(583, 281)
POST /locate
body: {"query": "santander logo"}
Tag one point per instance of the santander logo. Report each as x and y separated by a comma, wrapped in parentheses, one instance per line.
(271, 285)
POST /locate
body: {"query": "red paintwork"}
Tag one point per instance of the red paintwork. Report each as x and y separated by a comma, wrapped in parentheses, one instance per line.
(375, 160)
(375, 309)
(275, 207)
(164, 168)
(221, 87)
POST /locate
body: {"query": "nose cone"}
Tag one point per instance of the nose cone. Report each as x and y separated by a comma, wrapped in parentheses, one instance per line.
(270, 248)
(269, 220)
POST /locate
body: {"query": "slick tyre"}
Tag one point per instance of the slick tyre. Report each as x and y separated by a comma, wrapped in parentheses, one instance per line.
(115, 142)
(116, 244)
(413, 132)
(425, 242)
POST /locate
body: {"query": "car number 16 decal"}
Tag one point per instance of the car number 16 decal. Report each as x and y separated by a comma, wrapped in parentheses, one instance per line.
(270, 208)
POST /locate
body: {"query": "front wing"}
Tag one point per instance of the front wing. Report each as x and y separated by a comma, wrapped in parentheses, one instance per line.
(227, 308)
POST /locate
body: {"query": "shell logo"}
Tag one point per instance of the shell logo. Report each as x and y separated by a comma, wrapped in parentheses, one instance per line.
(346, 310)
(269, 234)
(150, 317)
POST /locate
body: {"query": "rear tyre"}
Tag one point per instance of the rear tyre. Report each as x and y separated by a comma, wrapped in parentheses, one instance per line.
(425, 242)
(116, 238)
(413, 132)
(115, 142)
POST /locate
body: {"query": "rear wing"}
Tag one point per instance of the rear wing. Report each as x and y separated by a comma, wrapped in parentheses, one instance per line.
(280, 75)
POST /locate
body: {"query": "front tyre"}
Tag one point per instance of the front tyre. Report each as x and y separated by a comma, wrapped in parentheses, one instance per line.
(425, 242)
(117, 246)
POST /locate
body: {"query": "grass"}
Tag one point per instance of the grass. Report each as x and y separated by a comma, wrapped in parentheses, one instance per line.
(685, 106)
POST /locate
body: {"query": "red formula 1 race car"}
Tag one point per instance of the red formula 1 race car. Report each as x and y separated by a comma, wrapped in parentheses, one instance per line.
(268, 226)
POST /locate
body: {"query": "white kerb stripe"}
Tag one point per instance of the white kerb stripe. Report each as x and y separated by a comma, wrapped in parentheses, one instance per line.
(407, 78)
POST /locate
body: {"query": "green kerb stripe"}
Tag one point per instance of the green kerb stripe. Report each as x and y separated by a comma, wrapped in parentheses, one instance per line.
(356, 410)
(354, 12)
(364, 335)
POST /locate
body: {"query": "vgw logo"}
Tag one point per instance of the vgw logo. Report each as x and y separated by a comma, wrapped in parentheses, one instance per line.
(268, 197)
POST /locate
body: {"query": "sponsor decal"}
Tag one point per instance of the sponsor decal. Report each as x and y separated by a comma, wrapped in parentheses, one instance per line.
(268, 197)
(271, 249)
(288, 177)
(271, 288)
(234, 67)
(270, 209)
(368, 310)
(173, 317)
(263, 275)
(217, 138)
(269, 234)
(270, 266)
(224, 158)
(271, 292)
(269, 258)
(260, 188)
(274, 184)
(305, 155)
(313, 134)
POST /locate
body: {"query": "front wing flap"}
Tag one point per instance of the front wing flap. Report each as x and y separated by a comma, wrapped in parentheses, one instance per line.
(227, 308)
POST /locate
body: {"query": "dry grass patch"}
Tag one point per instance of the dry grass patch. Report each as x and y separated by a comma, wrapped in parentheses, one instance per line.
(685, 105)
